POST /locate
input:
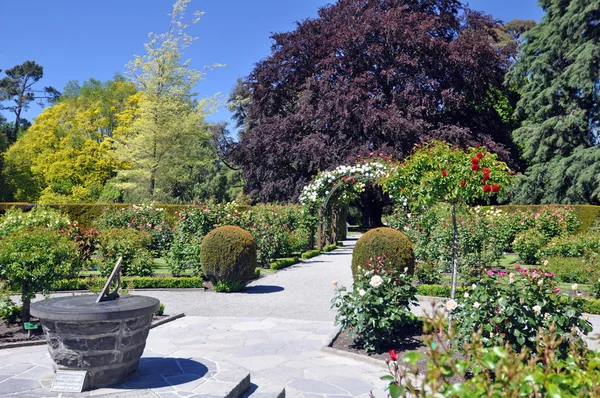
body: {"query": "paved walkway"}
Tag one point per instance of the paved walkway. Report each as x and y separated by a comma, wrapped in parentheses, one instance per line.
(275, 331)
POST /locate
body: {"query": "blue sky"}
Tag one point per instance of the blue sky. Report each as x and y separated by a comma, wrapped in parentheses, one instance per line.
(81, 39)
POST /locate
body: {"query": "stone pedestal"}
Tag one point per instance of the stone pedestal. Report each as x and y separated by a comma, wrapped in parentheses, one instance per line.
(106, 339)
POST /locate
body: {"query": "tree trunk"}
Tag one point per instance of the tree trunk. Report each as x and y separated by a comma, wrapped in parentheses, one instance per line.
(320, 230)
(152, 183)
(454, 252)
(25, 317)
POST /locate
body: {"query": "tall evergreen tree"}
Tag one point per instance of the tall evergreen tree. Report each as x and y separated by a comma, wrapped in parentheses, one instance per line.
(558, 75)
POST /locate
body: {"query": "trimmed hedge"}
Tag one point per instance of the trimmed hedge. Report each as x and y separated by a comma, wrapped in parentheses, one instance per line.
(228, 254)
(284, 262)
(311, 254)
(95, 284)
(330, 248)
(391, 243)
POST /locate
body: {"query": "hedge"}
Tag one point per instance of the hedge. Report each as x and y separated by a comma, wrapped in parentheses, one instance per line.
(310, 254)
(95, 284)
(330, 247)
(86, 213)
(284, 262)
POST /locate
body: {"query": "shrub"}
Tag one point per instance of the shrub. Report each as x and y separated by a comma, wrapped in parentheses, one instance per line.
(95, 284)
(184, 254)
(257, 273)
(571, 270)
(228, 254)
(127, 243)
(161, 310)
(9, 311)
(42, 217)
(394, 245)
(428, 273)
(480, 370)
(377, 308)
(527, 245)
(284, 262)
(435, 290)
(330, 248)
(311, 254)
(229, 286)
(572, 245)
(512, 308)
(32, 258)
(146, 218)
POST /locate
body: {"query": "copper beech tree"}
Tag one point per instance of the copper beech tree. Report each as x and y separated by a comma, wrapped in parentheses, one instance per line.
(369, 76)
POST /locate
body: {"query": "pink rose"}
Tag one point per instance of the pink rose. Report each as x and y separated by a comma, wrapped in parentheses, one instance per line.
(556, 290)
(490, 272)
(501, 273)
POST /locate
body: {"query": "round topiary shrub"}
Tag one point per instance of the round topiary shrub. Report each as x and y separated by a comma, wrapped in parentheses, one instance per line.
(388, 242)
(228, 256)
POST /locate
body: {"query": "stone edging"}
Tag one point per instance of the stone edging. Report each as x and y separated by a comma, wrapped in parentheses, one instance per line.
(18, 344)
(361, 358)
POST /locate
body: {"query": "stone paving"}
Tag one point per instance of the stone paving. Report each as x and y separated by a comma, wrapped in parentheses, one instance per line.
(275, 332)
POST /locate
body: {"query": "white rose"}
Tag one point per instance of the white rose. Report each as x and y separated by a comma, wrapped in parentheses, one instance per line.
(466, 295)
(574, 286)
(541, 281)
(362, 292)
(537, 308)
(451, 305)
(376, 281)
(476, 305)
(473, 286)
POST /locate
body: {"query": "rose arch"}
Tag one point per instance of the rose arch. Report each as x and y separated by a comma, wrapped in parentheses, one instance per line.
(328, 195)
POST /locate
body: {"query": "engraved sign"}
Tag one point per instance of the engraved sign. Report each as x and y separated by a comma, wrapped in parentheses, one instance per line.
(69, 381)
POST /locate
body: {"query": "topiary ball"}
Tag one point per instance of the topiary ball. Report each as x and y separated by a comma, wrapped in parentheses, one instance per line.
(393, 244)
(228, 254)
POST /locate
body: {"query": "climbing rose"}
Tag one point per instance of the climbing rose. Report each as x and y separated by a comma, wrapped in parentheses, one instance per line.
(495, 188)
(393, 355)
(487, 188)
(444, 173)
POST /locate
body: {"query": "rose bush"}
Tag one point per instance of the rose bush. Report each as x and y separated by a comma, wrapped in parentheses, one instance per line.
(511, 307)
(377, 308)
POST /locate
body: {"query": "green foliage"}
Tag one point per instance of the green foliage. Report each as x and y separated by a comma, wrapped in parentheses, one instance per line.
(330, 247)
(512, 308)
(42, 217)
(428, 273)
(592, 306)
(32, 258)
(147, 218)
(438, 172)
(161, 310)
(310, 254)
(376, 309)
(392, 244)
(9, 311)
(184, 254)
(96, 284)
(228, 254)
(479, 370)
(572, 270)
(229, 286)
(284, 262)
(557, 76)
(572, 245)
(434, 290)
(257, 273)
(130, 244)
(527, 245)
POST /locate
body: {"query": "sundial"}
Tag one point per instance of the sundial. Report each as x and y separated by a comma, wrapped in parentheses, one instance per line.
(114, 278)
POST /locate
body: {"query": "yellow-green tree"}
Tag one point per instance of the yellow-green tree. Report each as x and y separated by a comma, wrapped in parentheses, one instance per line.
(169, 136)
(67, 154)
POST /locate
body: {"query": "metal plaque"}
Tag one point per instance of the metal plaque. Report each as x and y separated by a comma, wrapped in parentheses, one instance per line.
(30, 325)
(69, 381)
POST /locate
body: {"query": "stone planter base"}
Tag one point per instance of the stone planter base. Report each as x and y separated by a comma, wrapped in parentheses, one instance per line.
(108, 347)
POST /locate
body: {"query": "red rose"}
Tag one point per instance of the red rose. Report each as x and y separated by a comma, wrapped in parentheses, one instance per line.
(475, 166)
(477, 145)
(479, 155)
(463, 183)
(486, 170)
(475, 160)
(487, 188)
(393, 355)
(495, 188)
(444, 173)
(485, 178)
